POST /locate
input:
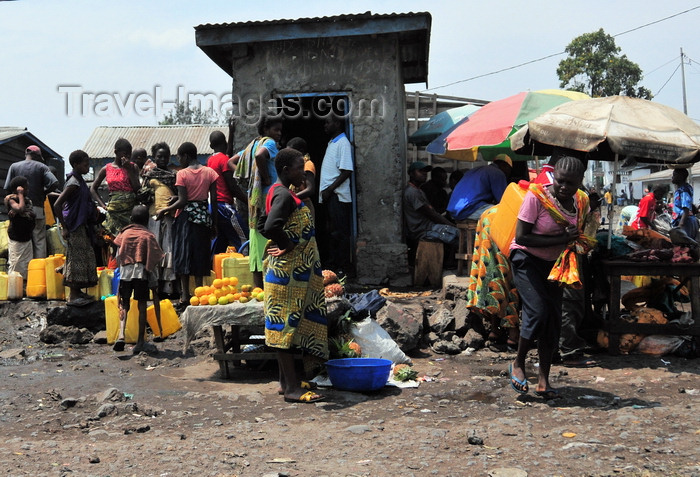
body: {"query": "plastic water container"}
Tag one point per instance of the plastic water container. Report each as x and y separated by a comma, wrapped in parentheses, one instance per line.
(36, 278)
(506, 217)
(104, 281)
(3, 286)
(168, 318)
(54, 241)
(15, 284)
(115, 281)
(131, 332)
(238, 267)
(54, 280)
(218, 258)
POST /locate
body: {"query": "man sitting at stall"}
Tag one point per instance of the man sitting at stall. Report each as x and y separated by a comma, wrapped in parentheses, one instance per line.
(647, 209)
(480, 189)
(422, 221)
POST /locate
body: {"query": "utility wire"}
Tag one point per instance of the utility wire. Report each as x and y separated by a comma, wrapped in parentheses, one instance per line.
(669, 79)
(557, 54)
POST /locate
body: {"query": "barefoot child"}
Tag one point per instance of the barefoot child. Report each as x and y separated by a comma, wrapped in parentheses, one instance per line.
(138, 258)
(77, 215)
(22, 217)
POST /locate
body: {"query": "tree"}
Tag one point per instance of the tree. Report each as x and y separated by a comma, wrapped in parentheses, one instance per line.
(595, 67)
(183, 114)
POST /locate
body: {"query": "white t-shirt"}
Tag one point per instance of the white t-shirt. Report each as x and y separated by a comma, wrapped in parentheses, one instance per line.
(338, 156)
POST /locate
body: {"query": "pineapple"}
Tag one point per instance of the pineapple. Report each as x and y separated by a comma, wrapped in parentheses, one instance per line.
(403, 372)
(334, 289)
(329, 277)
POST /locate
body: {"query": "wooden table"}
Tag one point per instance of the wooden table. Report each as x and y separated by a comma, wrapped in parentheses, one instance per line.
(235, 315)
(615, 269)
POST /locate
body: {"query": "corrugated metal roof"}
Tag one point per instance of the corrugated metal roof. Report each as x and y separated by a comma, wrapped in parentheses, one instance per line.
(9, 133)
(100, 144)
(412, 30)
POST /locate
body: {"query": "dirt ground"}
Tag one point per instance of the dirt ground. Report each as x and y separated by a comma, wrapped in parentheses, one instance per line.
(87, 410)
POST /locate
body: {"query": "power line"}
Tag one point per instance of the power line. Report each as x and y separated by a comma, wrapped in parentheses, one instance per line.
(669, 79)
(556, 54)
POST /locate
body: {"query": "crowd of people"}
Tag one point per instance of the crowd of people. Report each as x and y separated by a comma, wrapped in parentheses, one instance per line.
(162, 226)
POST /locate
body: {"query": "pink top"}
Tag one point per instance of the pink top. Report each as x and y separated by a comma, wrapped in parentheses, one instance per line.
(533, 212)
(117, 179)
(196, 182)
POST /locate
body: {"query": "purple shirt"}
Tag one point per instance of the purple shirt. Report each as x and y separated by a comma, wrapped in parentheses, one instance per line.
(533, 212)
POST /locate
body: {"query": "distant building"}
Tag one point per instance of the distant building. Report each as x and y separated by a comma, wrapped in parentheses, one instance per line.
(13, 143)
(100, 144)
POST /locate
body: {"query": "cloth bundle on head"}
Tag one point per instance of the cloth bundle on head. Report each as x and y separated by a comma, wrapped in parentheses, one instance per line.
(565, 270)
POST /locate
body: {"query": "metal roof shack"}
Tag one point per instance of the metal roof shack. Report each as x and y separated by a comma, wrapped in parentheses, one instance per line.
(353, 66)
(100, 144)
(13, 143)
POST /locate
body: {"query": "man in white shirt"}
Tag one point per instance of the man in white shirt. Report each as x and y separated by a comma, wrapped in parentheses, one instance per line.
(335, 194)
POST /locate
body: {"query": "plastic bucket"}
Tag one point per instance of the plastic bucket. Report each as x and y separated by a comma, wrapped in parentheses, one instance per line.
(358, 374)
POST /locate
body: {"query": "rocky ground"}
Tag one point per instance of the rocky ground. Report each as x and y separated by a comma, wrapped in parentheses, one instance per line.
(84, 409)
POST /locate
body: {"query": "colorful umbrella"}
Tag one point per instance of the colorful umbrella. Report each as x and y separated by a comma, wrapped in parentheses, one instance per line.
(487, 131)
(440, 123)
(614, 126)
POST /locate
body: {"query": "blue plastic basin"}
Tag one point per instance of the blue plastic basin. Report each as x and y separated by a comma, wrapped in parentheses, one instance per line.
(358, 374)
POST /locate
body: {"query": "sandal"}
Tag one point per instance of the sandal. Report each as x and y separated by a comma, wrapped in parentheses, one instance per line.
(307, 397)
(310, 385)
(520, 387)
(548, 394)
(119, 345)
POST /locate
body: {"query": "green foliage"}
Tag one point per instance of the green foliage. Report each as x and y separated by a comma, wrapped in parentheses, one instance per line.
(595, 67)
(183, 114)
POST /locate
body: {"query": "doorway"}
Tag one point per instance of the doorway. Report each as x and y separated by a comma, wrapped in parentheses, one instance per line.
(304, 116)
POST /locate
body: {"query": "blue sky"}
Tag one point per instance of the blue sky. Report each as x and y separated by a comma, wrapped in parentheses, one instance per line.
(123, 49)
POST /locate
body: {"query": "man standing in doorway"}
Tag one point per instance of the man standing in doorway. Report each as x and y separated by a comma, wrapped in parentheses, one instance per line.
(41, 181)
(335, 194)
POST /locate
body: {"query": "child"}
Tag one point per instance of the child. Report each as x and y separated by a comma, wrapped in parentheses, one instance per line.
(194, 226)
(22, 218)
(138, 257)
(295, 310)
(77, 214)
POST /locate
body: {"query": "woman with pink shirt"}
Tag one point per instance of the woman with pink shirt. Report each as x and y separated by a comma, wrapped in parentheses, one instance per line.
(550, 221)
(194, 226)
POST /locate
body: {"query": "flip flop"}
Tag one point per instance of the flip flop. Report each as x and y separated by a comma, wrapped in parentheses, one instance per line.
(520, 387)
(548, 394)
(307, 397)
(310, 385)
(119, 345)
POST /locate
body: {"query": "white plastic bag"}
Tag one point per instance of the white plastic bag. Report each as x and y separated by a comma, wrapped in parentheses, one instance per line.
(376, 342)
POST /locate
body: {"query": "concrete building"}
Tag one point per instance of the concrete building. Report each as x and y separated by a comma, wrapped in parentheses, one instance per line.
(355, 65)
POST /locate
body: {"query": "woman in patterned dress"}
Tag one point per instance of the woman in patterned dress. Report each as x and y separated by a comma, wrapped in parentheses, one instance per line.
(295, 306)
